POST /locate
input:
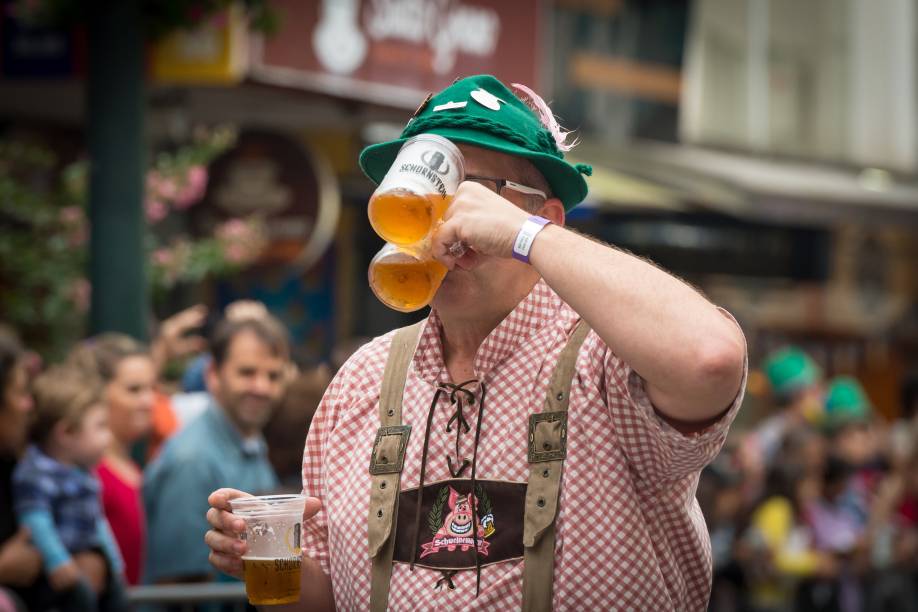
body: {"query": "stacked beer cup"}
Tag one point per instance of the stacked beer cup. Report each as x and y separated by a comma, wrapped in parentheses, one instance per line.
(405, 210)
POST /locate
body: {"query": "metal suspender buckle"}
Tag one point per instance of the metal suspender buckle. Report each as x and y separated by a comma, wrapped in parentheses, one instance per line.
(547, 436)
(388, 455)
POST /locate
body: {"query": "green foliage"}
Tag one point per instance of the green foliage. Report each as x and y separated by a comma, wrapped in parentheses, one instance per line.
(44, 235)
(42, 251)
(435, 518)
(484, 502)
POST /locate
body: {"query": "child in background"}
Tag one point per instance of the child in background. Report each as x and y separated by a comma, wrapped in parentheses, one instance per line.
(838, 530)
(784, 555)
(854, 438)
(57, 498)
(128, 379)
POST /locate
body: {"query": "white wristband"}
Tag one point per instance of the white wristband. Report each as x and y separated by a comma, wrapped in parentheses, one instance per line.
(523, 243)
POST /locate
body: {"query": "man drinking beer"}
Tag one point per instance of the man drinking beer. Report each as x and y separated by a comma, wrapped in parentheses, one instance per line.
(434, 464)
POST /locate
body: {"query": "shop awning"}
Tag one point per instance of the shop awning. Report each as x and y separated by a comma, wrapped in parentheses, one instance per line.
(675, 177)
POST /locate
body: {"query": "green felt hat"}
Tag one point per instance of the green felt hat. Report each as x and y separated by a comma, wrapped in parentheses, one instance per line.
(846, 402)
(510, 128)
(790, 369)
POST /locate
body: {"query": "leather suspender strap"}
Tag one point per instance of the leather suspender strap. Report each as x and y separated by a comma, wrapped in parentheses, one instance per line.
(547, 450)
(386, 461)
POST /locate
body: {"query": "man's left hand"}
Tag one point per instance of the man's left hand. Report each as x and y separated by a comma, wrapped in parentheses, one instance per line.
(484, 222)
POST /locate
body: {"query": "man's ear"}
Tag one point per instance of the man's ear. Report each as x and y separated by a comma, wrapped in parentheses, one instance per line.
(61, 430)
(553, 210)
(212, 378)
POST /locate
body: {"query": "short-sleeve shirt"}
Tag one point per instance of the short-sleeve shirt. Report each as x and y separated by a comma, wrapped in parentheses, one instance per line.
(207, 454)
(630, 534)
(69, 493)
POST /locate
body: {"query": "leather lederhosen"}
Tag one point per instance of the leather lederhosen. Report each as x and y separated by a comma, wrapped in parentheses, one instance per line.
(547, 449)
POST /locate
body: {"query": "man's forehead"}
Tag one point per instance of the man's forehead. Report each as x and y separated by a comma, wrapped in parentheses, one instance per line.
(479, 160)
(248, 348)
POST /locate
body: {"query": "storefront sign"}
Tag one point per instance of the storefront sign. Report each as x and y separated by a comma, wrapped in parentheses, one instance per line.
(395, 51)
(289, 186)
(214, 53)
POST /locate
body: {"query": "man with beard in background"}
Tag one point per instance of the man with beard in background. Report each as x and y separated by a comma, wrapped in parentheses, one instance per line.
(246, 380)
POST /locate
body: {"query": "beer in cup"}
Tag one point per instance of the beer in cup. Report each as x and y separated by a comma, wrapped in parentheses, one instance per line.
(405, 279)
(273, 528)
(415, 192)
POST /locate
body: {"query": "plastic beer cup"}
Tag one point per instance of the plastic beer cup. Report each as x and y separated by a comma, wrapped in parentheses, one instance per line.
(273, 531)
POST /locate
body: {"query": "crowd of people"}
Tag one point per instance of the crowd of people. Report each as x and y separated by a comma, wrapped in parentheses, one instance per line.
(107, 458)
(816, 506)
(105, 467)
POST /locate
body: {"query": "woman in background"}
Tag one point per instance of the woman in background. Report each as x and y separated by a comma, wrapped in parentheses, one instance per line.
(129, 377)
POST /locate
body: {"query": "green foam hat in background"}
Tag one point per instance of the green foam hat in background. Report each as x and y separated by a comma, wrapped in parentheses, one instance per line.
(846, 402)
(790, 369)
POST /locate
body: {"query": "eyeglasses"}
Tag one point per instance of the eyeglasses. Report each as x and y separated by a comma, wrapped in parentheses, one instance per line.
(497, 184)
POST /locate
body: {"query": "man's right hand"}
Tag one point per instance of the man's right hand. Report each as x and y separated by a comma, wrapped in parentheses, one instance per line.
(226, 549)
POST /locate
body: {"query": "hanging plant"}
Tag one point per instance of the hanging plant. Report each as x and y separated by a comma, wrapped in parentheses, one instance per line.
(44, 235)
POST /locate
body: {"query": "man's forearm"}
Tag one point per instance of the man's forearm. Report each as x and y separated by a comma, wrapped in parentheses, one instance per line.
(315, 591)
(689, 354)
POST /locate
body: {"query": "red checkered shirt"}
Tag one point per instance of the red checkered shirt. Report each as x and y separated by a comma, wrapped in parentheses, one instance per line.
(630, 534)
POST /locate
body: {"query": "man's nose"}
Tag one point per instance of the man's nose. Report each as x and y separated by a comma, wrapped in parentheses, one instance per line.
(263, 384)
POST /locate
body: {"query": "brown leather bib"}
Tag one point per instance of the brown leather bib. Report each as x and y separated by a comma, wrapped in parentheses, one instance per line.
(446, 540)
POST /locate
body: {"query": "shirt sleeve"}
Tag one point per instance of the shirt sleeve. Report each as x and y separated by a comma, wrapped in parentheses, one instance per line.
(342, 394)
(175, 496)
(44, 536)
(32, 490)
(657, 452)
(315, 530)
(109, 546)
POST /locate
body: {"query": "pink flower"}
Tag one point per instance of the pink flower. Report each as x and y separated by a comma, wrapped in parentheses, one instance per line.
(78, 236)
(235, 253)
(156, 210)
(80, 293)
(162, 187)
(74, 225)
(163, 257)
(234, 229)
(71, 215)
(193, 189)
(219, 20)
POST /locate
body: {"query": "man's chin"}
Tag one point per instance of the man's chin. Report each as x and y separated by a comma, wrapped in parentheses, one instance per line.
(254, 418)
(456, 292)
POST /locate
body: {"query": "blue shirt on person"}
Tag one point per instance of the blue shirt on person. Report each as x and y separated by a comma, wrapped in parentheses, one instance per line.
(60, 505)
(209, 453)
